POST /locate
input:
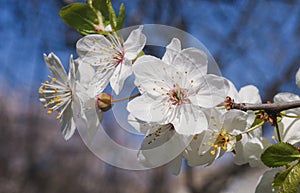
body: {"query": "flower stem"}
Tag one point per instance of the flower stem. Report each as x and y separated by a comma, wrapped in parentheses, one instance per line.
(290, 116)
(126, 98)
(255, 127)
(277, 131)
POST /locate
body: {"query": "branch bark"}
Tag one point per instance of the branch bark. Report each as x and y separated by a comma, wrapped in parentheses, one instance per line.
(270, 108)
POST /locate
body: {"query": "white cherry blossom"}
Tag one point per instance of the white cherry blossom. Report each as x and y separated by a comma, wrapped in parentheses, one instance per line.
(111, 56)
(62, 93)
(220, 137)
(175, 89)
(252, 144)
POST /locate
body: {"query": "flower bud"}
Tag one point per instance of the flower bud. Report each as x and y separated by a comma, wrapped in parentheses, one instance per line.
(104, 102)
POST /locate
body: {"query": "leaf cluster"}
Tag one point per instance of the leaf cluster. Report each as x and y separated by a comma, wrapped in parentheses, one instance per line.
(93, 16)
(283, 154)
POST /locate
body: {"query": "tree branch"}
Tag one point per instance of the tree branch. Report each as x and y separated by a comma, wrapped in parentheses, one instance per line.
(268, 107)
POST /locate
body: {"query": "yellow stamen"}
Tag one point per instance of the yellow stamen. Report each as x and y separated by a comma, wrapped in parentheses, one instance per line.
(224, 133)
(212, 152)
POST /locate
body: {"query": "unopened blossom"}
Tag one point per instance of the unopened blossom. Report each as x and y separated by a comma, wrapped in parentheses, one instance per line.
(221, 136)
(63, 94)
(111, 57)
(104, 101)
(175, 90)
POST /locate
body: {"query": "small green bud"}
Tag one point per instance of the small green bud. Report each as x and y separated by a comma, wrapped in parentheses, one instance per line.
(104, 102)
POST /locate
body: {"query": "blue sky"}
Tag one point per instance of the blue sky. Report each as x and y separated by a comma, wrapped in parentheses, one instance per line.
(261, 50)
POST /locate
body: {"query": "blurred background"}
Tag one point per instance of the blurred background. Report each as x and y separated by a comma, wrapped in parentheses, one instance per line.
(253, 42)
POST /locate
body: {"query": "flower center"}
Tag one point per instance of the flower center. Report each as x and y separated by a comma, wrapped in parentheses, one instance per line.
(223, 141)
(118, 56)
(178, 96)
(118, 53)
(55, 95)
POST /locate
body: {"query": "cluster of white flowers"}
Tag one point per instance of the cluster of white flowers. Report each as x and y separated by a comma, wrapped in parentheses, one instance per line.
(289, 130)
(180, 107)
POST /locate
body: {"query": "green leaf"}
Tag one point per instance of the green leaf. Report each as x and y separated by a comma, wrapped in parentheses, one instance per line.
(101, 6)
(81, 17)
(139, 55)
(257, 122)
(279, 154)
(279, 118)
(289, 180)
(112, 15)
(121, 17)
(239, 137)
(280, 177)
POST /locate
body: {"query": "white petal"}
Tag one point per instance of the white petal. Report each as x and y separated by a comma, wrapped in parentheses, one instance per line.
(157, 150)
(205, 159)
(212, 90)
(195, 156)
(99, 82)
(142, 126)
(150, 72)
(233, 93)
(94, 50)
(239, 158)
(134, 43)
(235, 121)
(67, 123)
(189, 120)
(298, 78)
(72, 72)
(249, 94)
(140, 108)
(119, 76)
(85, 73)
(93, 118)
(249, 150)
(287, 97)
(108, 28)
(266, 181)
(255, 147)
(55, 67)
(290, 130)
(171, 51)
(160, 113)
(191, 58)
(175, 165)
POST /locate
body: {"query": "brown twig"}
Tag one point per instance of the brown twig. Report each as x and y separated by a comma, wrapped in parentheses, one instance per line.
(270, 108)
